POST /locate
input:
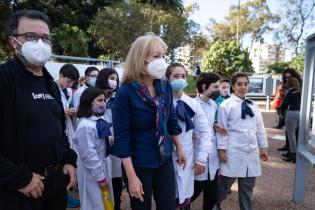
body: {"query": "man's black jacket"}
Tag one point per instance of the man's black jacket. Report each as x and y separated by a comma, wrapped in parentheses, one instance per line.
(14, 174)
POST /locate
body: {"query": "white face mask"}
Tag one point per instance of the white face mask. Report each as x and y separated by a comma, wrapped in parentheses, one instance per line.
(112, 84)
(157, 68)
(36, 52)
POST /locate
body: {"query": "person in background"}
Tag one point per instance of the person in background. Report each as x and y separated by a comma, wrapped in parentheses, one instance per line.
(146, 126)
(68, 76)
(194, 123)
(89, 80)
(207, 84)
(240, 151)
(91, 143)
(108, 81)
(276, 104)
(291, 105)
(287, 73)
(37, 164)
(224, 90)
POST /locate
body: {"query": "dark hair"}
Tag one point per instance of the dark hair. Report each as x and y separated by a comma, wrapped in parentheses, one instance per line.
(224, 79)
(293, 73)
(33, 14)
(102, 79)
(206, 79)
(235, 77)
(86, 99)
(70, 71)
(171, 68)
(292, 82)
(88, 70)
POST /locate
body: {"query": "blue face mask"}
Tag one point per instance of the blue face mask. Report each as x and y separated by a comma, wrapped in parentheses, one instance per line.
(92, 81)
(178, 84)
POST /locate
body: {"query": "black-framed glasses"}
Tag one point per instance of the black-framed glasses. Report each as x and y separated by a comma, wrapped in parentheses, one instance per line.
(30, 36)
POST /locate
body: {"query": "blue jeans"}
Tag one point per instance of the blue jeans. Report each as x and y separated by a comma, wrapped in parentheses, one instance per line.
(160, 181)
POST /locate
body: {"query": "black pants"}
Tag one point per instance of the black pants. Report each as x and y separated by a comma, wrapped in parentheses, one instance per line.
(55, 194)
(159, 180)
(117, 188)
(210, 189)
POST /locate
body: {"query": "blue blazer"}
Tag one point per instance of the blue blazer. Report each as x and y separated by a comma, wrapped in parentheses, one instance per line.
(134, 127)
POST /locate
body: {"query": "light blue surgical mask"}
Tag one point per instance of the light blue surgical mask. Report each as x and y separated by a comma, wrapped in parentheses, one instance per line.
(92, 81)
(179, 84)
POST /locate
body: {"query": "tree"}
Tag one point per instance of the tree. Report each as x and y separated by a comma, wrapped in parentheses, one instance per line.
(255, 19)
(298, 63)
(70, 40)
(115, 28)
(226, 58)
(6, 13)
(278, 67)
(297, 16)
(175, 5)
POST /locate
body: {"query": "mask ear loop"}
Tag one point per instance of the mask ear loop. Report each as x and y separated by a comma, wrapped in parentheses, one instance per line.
(19, 51)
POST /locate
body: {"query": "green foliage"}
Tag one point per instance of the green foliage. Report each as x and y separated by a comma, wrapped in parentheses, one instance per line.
(298, 63)
(278, 67)
(70, 40)
(226, 58)
(6, 12)
(115, 28)
(191, 87)
(255, 19)
(175, 5)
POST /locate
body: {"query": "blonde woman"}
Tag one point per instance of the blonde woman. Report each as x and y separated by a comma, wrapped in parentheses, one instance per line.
(146, 126)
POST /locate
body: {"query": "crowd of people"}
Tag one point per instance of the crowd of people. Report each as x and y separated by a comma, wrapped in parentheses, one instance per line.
(101, 132)
(287, 102)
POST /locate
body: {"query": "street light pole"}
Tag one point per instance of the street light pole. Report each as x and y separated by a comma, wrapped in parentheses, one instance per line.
(238, 22)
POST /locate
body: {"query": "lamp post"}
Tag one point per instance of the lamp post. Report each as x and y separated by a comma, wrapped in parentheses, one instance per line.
(238, 22)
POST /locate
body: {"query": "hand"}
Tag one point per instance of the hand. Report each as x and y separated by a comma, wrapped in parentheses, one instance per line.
(264, 154)
(135, 188)
(71, 172)
(103, 185)
(181, 158)
(111, 140)
(199, 169)
(70, 112)
(35, 188)
(220, 129)
(222, 155)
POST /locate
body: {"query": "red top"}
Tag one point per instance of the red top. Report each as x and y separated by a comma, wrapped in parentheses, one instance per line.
(276, 103)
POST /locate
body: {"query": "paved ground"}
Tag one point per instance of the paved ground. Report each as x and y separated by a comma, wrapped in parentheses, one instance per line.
(274, 188)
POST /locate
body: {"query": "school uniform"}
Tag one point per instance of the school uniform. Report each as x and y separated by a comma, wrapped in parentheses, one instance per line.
(245, 138)
(77, 96)
(196, 150)
(116, 162)
(66, 99)
(207, 181)
(93, 165)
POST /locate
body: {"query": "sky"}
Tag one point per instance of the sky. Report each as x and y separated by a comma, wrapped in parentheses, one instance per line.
(218, 9)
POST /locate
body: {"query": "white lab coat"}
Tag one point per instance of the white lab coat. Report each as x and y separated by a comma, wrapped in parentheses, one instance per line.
(116, 162)
(201, 145)
(210, 108)
(69, 124)
(245, 137)
(77, 96)
(92, 164)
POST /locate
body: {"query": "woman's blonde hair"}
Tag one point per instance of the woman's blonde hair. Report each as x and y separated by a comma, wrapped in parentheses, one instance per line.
(139, 51)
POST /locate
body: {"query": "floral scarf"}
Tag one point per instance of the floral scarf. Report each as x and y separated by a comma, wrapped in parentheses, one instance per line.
(158, 103)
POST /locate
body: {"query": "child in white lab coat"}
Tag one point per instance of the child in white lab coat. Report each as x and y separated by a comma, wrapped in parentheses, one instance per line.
(108, 81)
(208, 87)
(240, 151)
(192, 120)
(92, 144)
